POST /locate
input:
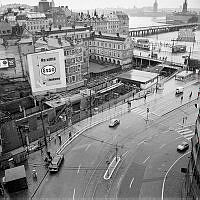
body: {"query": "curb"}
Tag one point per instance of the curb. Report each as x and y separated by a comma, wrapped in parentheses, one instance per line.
(79, 132)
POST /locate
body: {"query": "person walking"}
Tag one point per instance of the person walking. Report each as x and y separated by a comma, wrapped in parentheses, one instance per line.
(190, 95)
(181, 99)
(60, 140)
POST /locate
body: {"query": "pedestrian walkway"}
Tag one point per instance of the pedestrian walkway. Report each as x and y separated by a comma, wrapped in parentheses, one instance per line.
(143, 113)
(187, 133)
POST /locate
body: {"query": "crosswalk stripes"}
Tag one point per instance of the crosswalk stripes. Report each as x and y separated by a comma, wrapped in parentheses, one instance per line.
(143, 113)
(186, 133)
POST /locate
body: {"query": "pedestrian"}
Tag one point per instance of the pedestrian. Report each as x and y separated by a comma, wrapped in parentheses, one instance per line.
(181, 98)
(190, 95)
(59, 137)
(145, 96)
(70, 135)
(183, 120)
(198, 95)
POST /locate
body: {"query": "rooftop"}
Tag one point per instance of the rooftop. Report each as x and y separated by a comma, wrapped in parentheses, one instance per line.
(184, 73)
(139, 76)
(15, 173)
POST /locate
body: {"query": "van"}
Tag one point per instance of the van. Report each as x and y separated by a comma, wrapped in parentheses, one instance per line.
(179, 90)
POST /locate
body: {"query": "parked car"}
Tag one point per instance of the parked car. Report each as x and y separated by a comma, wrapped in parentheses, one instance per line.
(183, 146)
(114, 122)
(56, 162)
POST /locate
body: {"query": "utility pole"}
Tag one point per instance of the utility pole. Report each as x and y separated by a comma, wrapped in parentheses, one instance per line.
(90, 104)
(147, 114)
(116, 148)
(43, 126)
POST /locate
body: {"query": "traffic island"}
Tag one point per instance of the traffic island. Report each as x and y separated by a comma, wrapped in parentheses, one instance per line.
(111, 168)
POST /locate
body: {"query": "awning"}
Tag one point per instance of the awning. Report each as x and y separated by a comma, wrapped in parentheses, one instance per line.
(110, 88)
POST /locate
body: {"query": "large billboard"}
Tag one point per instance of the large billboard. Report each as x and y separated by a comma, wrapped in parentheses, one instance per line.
(47, 70)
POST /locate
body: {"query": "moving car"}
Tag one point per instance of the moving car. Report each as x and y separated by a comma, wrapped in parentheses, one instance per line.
(114, 122)
(183, 146)
(56, 162)
(179, 90)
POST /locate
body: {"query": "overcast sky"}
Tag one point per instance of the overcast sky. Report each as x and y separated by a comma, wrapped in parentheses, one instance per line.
(91, 4)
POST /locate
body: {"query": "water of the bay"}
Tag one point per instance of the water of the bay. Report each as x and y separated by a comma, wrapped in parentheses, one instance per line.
(193, 48)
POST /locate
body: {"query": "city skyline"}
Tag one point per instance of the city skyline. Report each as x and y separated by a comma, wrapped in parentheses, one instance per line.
(91, 4)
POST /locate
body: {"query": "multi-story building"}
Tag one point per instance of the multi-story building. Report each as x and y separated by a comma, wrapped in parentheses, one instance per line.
(112, 23)
(61, 16)
(75, 58)
(34, 21)
(193, 171)
(111, 49)
(5, 28)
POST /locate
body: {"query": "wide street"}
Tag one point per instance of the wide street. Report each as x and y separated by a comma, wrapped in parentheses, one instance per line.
(147, 149)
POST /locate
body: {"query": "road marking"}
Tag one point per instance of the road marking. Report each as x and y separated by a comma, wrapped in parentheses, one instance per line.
(141, 142)
(119, 182)
(131, 182)
(124, 154)
(162, 146)
(163, 185)
(179, 137)
(79, 168)
(87, 147)
(74, 193)
(146, 159)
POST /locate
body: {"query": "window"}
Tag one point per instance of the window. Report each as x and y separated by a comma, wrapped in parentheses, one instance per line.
(73, 60)
(73, 79)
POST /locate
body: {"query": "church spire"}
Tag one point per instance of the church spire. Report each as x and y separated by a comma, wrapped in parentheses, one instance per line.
(155, 6)
(184, 7)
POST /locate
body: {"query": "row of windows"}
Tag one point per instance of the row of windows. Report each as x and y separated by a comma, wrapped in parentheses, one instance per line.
(37, 27)
(5, 31)
(106, 44)
(77, 59)
(72, 51)
(77, 36)
(74, 78)
(37, 22)
(73, 69)
(104, 52)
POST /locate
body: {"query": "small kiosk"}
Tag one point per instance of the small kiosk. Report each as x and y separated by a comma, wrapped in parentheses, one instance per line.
(15, 179)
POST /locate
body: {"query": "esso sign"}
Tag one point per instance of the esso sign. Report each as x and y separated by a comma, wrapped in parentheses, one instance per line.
(48, 70)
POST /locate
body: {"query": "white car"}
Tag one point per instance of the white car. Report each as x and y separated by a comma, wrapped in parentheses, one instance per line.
(114, 122)
(183, 146)
(56, 162)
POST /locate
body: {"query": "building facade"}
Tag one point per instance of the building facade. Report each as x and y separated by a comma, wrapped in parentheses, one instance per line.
(111, 49)
(192, 185)
(34, 21)
(61, 16)
(112, 23)
(5, 28)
